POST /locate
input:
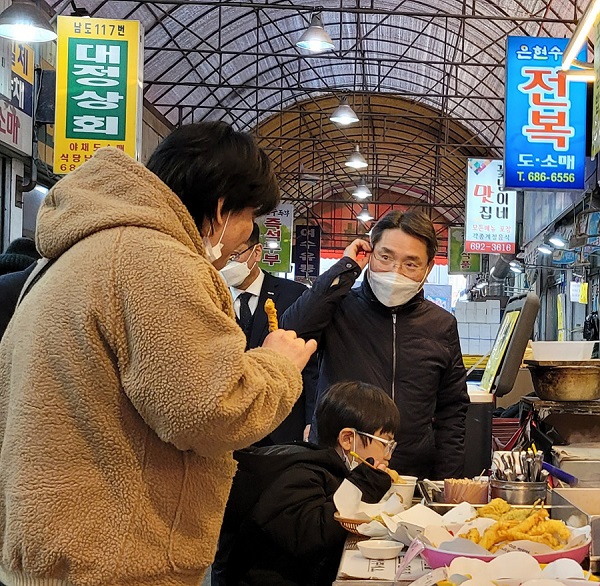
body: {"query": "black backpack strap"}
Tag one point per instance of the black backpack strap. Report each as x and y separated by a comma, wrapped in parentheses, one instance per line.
(41, 267)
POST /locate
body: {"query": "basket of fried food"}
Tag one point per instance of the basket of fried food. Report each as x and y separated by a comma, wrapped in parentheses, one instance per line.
(500, 528)
(351, 525)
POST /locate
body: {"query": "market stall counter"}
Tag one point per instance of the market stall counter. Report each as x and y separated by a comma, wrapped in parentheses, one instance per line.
(355, 569)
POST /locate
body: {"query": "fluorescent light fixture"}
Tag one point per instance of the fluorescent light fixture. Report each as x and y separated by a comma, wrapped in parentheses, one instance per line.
(23, 21)
(557, 240)
(362, 191)
(516, 268)
(586, 75)
(579, 37)
(356, 160)
(315, 38)
(544, 249)
(344, 114)
(364, 215)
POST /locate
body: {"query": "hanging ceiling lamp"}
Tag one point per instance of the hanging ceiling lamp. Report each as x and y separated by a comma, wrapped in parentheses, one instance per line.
(356, 160)
(364, 215)
(544, 249)
(315, 38)
(557, 240)
(23, 21)
(344, 114)
(362, 191)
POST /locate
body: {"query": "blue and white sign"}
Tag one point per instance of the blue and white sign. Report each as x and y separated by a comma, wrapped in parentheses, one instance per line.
(544, 144)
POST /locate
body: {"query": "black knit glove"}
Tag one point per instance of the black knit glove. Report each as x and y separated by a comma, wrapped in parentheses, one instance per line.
(372, 483)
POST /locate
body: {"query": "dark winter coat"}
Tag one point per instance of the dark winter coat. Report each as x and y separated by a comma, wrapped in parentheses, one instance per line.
(411, 351)
(279, 527)
(10, 289)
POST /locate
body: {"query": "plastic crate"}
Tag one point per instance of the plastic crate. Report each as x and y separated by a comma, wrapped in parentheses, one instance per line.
(504, 429)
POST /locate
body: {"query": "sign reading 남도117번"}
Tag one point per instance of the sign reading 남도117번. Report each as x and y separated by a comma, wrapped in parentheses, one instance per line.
(545, 118)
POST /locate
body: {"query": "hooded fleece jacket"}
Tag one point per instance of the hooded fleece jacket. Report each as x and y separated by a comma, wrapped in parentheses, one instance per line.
(124, 389)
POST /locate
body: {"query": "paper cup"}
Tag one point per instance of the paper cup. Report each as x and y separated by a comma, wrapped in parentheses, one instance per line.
(405, 491)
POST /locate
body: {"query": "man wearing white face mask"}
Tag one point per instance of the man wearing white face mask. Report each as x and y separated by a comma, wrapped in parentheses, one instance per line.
(385, 333)
(250, 287)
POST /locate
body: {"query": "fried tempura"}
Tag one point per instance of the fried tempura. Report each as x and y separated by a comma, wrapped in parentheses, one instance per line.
(271, 312)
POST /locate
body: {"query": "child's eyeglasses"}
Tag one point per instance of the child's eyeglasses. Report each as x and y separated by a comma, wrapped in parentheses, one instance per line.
(390, 445)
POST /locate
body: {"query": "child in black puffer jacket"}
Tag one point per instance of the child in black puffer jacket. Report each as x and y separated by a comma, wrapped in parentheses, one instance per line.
(279, 528)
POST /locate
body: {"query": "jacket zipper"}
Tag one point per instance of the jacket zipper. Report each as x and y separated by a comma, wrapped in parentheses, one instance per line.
(394, 357)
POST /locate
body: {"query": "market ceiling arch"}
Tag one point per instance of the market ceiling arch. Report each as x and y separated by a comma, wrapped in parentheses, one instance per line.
(425, 77)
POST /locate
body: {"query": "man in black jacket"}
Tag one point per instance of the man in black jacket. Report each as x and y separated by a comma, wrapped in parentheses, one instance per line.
(250, 288)
(16, 264)
(385, 333)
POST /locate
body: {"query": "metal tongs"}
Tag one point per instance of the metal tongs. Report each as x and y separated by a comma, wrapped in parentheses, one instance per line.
(524, 466)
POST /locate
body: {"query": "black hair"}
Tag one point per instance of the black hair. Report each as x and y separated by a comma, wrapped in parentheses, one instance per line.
(254, 237)
(414, 223)
(206, 161)
(357, 405)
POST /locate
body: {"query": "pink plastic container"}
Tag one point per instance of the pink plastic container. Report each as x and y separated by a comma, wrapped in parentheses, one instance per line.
(437, 558)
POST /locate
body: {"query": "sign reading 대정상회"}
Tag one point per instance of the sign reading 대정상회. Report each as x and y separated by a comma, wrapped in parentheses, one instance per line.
(98, 89)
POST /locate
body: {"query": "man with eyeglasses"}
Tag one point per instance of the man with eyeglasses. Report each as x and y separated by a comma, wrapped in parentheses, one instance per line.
(385, 333)
(250, 287)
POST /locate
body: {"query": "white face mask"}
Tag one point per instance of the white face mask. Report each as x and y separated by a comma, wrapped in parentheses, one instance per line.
(235, 272)
(393, 289)
(215, 252)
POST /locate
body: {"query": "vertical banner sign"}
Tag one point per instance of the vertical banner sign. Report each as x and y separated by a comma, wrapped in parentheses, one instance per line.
(276, 237)
(596, 104)
(16, 105)
(459, 261)
(545, 117)
(307, 252)
(490, 223)
(98, 89)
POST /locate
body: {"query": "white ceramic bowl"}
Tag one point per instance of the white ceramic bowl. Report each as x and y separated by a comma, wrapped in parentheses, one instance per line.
(406, 490)
(380, 549)
(559, 351)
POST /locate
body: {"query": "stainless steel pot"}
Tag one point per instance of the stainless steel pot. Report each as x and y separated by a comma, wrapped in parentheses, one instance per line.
(566, 383)
(518, 493)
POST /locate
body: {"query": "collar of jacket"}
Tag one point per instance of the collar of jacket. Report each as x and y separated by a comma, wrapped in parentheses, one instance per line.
(367, 293)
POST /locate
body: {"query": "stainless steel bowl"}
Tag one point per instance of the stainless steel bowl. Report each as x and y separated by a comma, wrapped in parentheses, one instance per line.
(566, 383)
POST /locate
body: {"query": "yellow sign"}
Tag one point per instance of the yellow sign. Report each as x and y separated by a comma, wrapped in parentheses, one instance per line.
(22, 61)
(560, 315)
(98, 89)
(583, 293)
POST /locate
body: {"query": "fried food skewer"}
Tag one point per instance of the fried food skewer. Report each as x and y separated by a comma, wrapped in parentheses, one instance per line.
(271, 312)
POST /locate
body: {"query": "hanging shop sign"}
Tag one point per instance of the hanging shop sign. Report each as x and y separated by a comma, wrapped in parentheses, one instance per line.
(490, 223)
(459, 261)
(276, 237)
(307, 252)
(98, 89)
(16, 102)
(545, 117)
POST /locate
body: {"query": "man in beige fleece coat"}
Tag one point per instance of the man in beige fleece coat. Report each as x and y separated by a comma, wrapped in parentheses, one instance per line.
(124, 384)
